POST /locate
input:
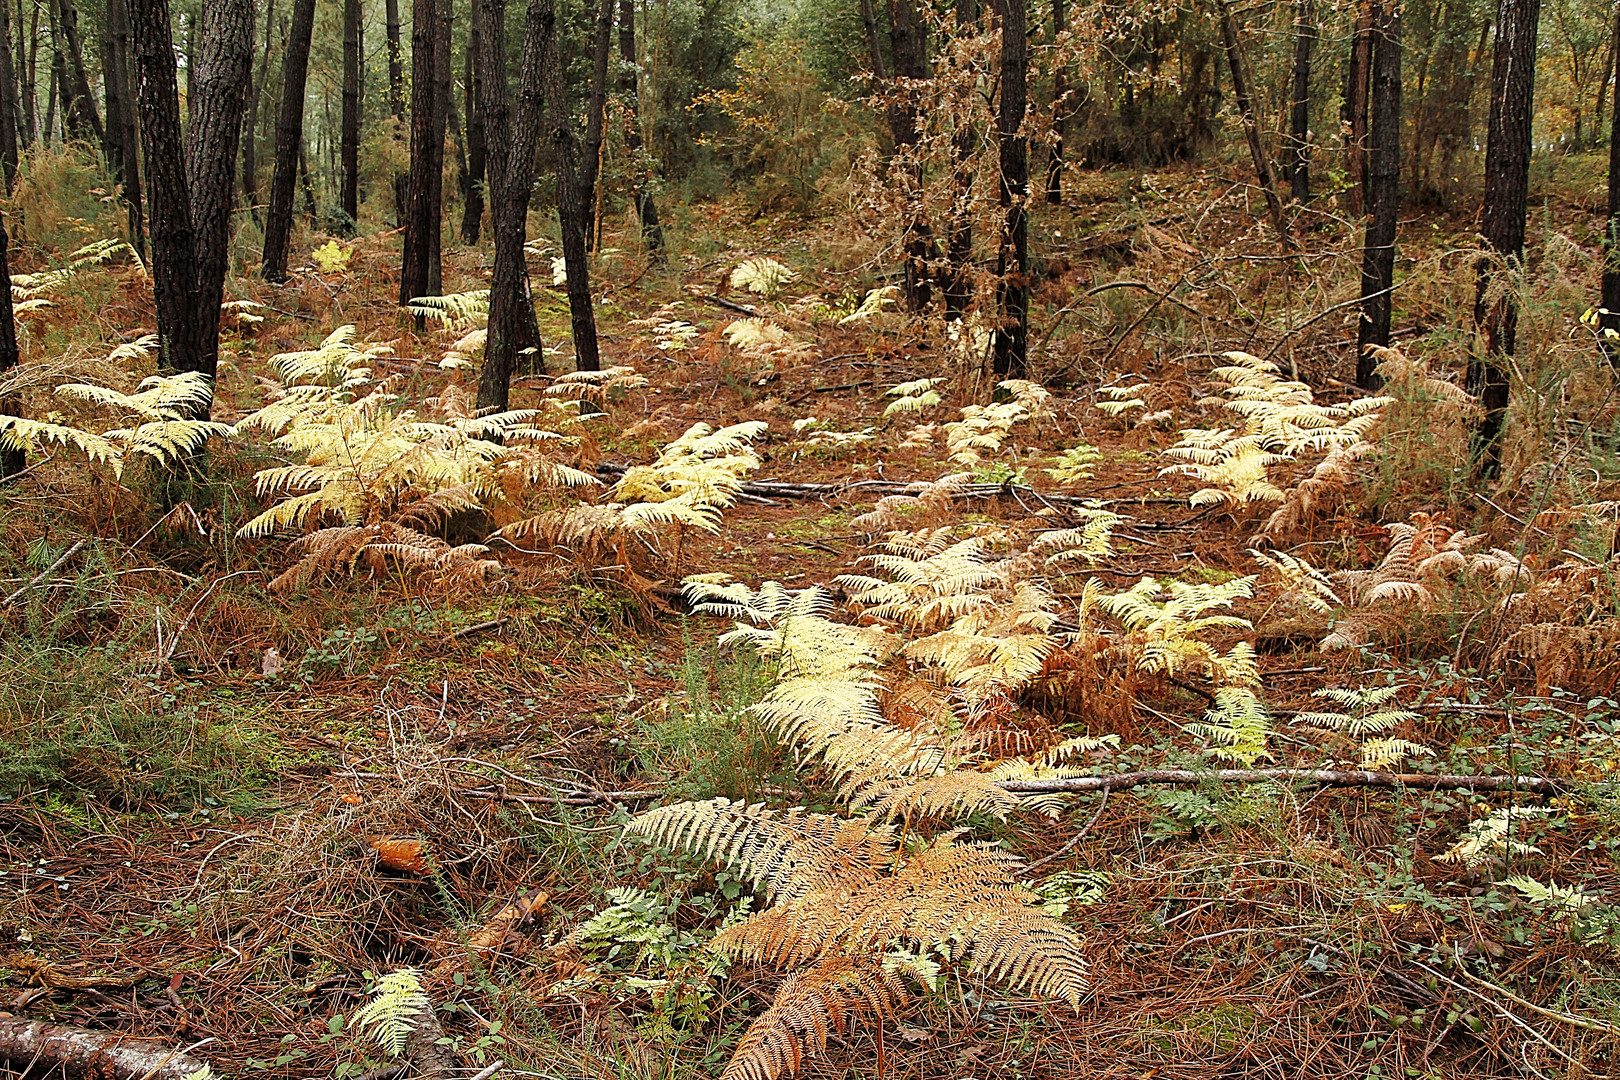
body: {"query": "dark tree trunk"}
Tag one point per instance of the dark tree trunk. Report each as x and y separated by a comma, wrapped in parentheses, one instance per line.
(1011, 350)
(512, 144)
(27, 70)
(1384, 188)
(419, 219)
(10, 111)
(1609, 316)
(441, 124)
(908, 44)
(595, 119)
(1502, 224)
(1299, 120)
(129, 139)
(223, 70)
(652, 234)
(12, 461)
(1251, 123)
(396, 107)
(78, 104)
(874, 50)
(1354, 113)
(472, 194)
(353, 53)
(572, 210)
(308, 181)
(289, 142)
(959, 253)
(1060, 111)
(174, 247)
(250, 125)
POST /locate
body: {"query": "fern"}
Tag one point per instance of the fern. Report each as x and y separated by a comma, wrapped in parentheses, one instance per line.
(1300, 580)
(915, 396)
(1075, 464)
(390, 1016)
(1090, 543)
(1365, 714)
(762, 275)
(873, 304)
(1559, 901)
(1380, 754)
(458, 310)
(1237, 724)
(1489, 838)
(1167, 633)
(810, 1006)
(1122, 399)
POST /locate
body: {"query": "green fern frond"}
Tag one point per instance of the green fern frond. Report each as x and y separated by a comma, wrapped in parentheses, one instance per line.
(1238, 725)
(1561, 902)
(1380, 754)
(1489, 838)
(390, 1016)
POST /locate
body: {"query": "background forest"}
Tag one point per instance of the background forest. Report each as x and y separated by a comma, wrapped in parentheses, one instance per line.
(673, 538)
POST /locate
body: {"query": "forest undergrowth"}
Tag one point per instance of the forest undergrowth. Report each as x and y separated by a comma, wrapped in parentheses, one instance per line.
(798, 741)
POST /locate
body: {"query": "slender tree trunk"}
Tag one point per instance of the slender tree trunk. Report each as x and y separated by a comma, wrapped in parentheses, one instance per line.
(27, 68)
(441, 123)
(174, 247)
(10, 113)
(1384, 187)
(353, 54)
(1502, 224)
(1251, 123)
(308, 182)
(1299, 125)
(78, 104)
(1609, 305)
(959, 250)
(512, 144)
(874, 49)
(908, 44)
(129, 139)
(472, 194)
(289, 142)
(419, 220)
(1060, 110)
(652, 234)
(595, 118)
(1354, 113)
(572, 209)
(396, 107)
(12, 459)
(223, 71)
(1011, 350)
(250, 126)
(57, 92)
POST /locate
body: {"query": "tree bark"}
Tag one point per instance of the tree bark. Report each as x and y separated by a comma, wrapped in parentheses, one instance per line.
(1502, 225)
(512, 144)
(1384, 187)
(419, 220)
(572, 209)
(79, 105)
(82, 1054)
(1299, 125)
(12, 460)
(224, 67)
(174, 270)
(289, 142)
(27, 71)
(652, 234)
(250, 125)
(1011, 349)
(959, 249)
(441, 123)
(1354, 113)
(396, 106)
(10, 109)
(595, 119)
(1251, 123)
(353, 54)
(472, 195)
(1609, 315)
(1060, 111)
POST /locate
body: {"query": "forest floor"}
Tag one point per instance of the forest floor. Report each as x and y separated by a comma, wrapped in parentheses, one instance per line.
(224, 811)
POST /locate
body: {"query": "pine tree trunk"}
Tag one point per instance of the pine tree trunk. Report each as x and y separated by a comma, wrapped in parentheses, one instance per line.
(1251, 123)
(572, 210)
(419, 220)
(353, 54)
(27, 72)
(1060, 111)
(224, 67)
(959, 249)
(14, 460)
(289, 142)
(10, 110)
(250, 125)
(652, 234)
(308, 182)
(441, 123)
(122, 69)
(472, 195)
(79, 105)
(1299, 121)
(595, 120)
(1502, 225)
(1353, 115)
(174, 247)
(1609, 316)
(513, 140)
(1011, 349)
(1384, 188)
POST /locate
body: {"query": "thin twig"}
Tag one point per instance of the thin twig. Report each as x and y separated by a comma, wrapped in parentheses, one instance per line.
(47, 572)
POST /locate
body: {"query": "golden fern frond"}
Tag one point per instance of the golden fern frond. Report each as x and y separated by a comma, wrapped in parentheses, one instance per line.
(1300, 579)
(787, 853)
(767, 607)
(168, 440)
(914, 396)
(452, 309)
(20, 433)
(953, 794)
(762, 275)
(158, 397)
(390, 1016)
(1237, 724)
(1381, 754)
(808, 1007)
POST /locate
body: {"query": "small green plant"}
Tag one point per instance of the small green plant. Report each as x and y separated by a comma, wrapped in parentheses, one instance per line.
(332, 257)
(1075, 464)
(390, 1016)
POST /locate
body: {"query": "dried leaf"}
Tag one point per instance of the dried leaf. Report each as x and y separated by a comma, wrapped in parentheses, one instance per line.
(398, 854)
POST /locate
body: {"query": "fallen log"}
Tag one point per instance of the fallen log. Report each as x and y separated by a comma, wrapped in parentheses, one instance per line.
(1537, 785)
(82, 1054)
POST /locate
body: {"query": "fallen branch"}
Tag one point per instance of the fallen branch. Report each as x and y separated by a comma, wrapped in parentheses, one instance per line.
(1539, 785)
(427, 1048)
(82, 1054)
